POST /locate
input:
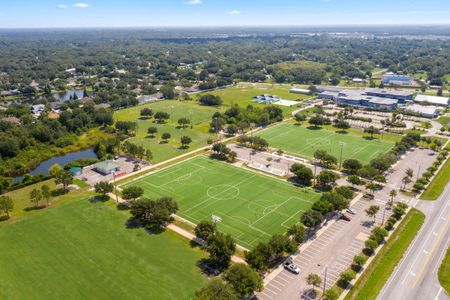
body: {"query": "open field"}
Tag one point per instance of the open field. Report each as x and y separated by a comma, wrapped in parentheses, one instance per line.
(200, 116)
(82, 250)
(243, 94)
(375, 276)
(445, 121)
(444, 272)
(437, 185)
(303, 141)
(252, 206)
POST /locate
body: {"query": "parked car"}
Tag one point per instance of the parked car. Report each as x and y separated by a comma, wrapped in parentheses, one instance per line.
(346, 218)
(369, 196)
(291, 267)
(351, 211)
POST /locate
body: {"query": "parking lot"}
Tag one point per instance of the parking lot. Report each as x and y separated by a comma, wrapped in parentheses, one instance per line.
(91, 176)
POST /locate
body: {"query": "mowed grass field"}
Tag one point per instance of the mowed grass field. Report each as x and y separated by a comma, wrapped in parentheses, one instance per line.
(200, 116)
(81, 250)
(304, 142)
(243, 95)
(252, 206)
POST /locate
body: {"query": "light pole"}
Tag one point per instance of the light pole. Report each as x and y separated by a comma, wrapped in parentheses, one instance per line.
(115, 187)
(340, 157)
(315, 171)
(171, 112)
(384, 212)
(216, 127)
(190, 118)
(325, 280)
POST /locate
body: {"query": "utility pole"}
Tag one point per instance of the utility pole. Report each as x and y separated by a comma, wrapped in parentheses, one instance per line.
(340, 157)
(325, 280)
(115, 187)
(315, 171)
(384, 212)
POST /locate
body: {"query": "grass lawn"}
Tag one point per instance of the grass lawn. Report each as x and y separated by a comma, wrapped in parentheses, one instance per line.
(445, 121)
(201, 117)
(252, 206)
(444, 272)
(437, 185)
(243, 94)
(81, 250)
(305, 141)
(375, 276)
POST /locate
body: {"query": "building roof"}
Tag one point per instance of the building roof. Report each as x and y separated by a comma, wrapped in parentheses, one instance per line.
(293, 90)
(106, 165)
(381, 101)
(432, 99)
(428, 110)
(379, 91)
(328, 88)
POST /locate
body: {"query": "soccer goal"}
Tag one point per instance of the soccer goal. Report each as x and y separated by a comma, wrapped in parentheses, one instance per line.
(216, 219)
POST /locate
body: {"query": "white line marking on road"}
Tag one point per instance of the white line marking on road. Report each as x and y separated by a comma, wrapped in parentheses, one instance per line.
(437, 295)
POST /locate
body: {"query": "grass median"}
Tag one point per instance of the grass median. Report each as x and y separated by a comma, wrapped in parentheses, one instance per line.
(437, 185)
(378, 272)
(444, 272)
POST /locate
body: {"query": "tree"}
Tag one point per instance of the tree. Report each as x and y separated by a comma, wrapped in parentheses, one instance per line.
(152, 130)
(35, 197)
(392, 194)
(185, 141)
(53, 170)
(337, 201)
(6, 205)
(326, 179)
(300, 117)
(103, 187)
(406, 180)
(161, 116)
(65, 178)
(168, 91)
(153, 214)
(346, 276)
(314, 280)
(281, 244)
(409, 172)
(316, 121)
(183, 122)
(46, 193)
(146, 112)
(322, 206)
(303, 174)
(352, 166)
(216, 289)
(371, 130)
(341, 124)
(210, 100)
(165, 136)
(372, 212)
(244, 280)
(297, 232)
(354, 180)
(359, 261)
(205, 229)
(132, 193)
(371, 186)
(330, 294)
(259, 257)
(311, 218)
(220, 248)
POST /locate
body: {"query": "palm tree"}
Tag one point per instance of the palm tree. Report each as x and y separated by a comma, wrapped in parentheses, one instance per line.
(392, 193)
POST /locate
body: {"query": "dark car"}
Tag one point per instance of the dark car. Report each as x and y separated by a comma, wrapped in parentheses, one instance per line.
(345, 218)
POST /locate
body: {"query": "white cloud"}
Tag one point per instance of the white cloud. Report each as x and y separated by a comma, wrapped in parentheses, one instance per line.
(194, 2)
(62, 6)
(234, 12)
(81, 5)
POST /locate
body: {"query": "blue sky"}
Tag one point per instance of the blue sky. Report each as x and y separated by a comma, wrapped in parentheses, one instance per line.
(129, 13)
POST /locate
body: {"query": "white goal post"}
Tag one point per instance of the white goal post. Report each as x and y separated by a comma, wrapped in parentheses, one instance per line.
(216, 219)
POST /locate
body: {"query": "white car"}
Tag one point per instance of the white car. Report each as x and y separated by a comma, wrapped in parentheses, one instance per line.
(292, 268)
(351, 211)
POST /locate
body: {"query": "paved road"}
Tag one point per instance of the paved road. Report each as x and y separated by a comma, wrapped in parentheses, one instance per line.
(416, 276)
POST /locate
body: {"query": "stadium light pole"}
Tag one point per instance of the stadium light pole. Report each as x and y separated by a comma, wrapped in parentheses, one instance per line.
(325, 280)
(115, 187)
(340, 156)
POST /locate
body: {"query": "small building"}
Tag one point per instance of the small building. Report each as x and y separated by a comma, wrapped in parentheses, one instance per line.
(396, 79)
(106, 167)
(76, 171)
(435, 100)
(300, 91)
(425, 111)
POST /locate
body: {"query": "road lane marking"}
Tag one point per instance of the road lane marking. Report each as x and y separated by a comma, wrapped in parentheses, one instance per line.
(437, 295)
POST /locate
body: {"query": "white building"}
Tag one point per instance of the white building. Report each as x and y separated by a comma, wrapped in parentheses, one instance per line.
(435, 100)
(300, 91)
(396, 79)
(425, 111)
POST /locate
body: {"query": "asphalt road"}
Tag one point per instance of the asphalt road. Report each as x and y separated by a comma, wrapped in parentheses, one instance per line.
(416, 275)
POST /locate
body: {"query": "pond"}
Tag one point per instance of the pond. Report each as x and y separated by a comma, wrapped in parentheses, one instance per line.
(66, 96)
(63, 160)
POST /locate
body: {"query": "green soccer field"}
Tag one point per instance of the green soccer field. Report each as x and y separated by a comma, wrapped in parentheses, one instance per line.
(252, 206)
(303, 141)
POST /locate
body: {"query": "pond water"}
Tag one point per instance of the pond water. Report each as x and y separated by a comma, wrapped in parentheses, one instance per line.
(63, 160)
(64, 97)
